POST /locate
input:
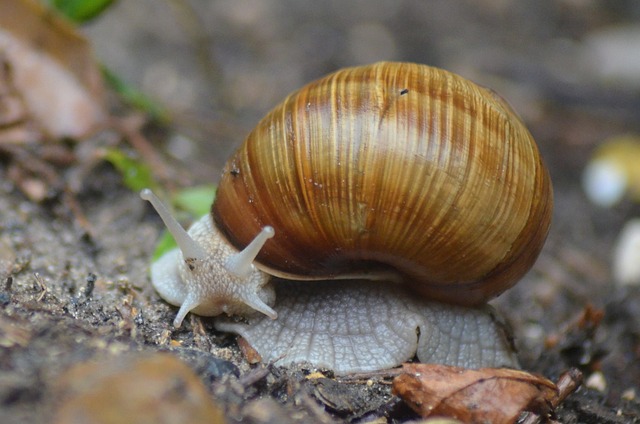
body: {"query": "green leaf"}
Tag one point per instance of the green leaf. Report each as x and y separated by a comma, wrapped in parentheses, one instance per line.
(136, 175)
(135, 98)
(165, 244)
(195, 200)
(81, 10)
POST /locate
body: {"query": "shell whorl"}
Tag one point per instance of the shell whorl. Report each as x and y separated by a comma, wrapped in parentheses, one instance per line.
(392, 165)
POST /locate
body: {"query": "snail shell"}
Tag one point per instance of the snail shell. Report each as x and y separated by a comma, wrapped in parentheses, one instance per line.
(392, 167)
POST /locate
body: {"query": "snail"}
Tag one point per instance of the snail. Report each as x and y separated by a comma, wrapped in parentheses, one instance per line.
(370, 215)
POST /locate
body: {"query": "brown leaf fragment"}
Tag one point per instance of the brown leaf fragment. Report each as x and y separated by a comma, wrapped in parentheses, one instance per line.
(496, 395)
(251, 355)
(50, 84)
(567, 383)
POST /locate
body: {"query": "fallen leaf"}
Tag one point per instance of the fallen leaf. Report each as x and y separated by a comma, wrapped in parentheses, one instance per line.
(496, 395)
(136, 174)
(50, 84)
(195, 200)
(81, 10)
(251, 355)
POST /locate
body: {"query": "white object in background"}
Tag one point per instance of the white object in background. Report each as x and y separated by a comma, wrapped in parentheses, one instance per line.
(604, 182)
(613, 173)
(626, 254)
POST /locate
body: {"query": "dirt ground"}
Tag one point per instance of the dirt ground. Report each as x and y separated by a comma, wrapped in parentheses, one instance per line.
(566, 66)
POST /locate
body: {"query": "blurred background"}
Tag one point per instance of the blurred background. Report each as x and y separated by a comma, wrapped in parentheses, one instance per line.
(219, 66)
(571, 68)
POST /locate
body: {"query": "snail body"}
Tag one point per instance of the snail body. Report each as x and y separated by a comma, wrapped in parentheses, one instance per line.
(395, 172)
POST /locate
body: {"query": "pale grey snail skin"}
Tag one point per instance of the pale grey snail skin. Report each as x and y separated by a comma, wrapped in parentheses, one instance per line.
(358, 326)
(404, 184)
(344, 325)
(206, 275)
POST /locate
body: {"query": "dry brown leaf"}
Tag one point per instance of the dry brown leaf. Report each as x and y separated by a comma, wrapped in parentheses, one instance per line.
(251, 355)
(50, 85)
(496, 395)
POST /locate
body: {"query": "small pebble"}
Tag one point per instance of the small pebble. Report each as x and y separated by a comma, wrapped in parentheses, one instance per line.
(141, 388)
(629, 394)
(596, 381)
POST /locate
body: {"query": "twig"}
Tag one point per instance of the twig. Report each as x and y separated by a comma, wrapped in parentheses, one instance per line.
(254, 376)
(568, 383)
(41, 285)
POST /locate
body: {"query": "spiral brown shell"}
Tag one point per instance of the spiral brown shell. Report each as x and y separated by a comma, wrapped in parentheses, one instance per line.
(392, 165)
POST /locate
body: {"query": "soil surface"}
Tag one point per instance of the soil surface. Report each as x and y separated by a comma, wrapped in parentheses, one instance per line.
(72, 292)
